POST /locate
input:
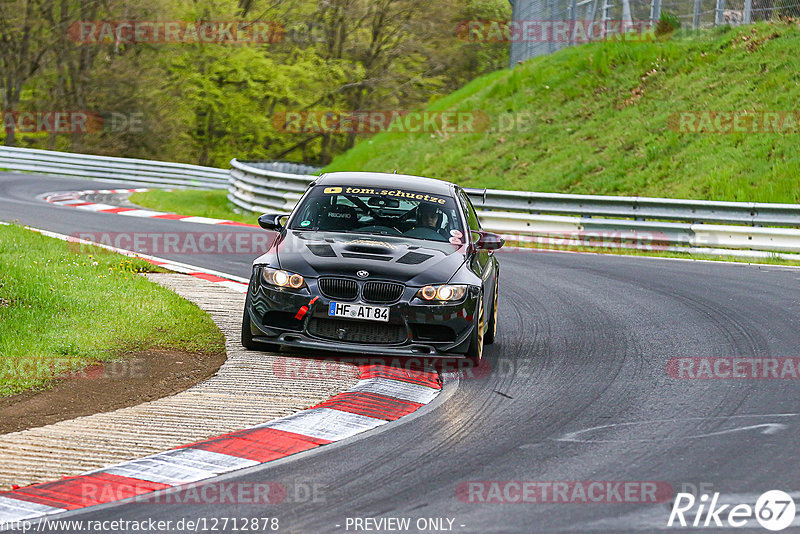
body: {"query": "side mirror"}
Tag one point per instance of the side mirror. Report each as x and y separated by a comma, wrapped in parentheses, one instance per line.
(487, 240)
(271, 221)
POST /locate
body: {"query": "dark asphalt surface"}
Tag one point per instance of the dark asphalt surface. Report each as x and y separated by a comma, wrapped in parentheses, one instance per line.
(583, 342)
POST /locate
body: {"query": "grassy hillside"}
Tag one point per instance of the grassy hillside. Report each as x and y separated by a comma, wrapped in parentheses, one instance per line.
(595, 119)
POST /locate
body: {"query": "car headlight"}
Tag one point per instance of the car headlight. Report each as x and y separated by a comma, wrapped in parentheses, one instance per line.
(281, 278)
(442, 293)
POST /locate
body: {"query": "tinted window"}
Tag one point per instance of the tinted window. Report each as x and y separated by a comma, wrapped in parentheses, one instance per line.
(379, 211)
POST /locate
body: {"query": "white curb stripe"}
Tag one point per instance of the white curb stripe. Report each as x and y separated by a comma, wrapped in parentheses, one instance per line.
(97, 207)
(397, 389)
(160, 469)
(202, 220)
(236, 286)
(216, 462)
(138, 213)
(325, 423)
(16, 510)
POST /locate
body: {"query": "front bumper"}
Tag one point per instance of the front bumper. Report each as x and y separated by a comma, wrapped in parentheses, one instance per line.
(300, 319)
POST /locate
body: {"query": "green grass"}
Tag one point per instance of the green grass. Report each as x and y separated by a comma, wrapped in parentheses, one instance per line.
(63, 307)
(593, 119)
(213, 204)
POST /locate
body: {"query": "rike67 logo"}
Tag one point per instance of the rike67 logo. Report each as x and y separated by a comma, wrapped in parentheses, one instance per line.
(774, 510)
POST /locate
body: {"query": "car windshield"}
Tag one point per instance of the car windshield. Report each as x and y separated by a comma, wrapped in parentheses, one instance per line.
(397, 212)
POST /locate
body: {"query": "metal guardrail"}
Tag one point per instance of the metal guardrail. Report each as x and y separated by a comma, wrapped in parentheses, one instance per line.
(268, 186)
(556, 220)
(140, 171)
(547, 219)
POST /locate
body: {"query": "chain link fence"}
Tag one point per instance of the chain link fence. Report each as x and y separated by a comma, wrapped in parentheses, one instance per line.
(541, 27)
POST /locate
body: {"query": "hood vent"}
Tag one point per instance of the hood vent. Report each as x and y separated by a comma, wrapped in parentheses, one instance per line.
(365, 256)
(323, 251)
(368, 249)
(414, 258)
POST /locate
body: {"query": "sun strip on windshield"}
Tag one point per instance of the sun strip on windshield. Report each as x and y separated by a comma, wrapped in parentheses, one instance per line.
(394, 193)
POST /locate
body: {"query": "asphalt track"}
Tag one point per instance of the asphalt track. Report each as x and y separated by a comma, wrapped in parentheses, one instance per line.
(583, 342)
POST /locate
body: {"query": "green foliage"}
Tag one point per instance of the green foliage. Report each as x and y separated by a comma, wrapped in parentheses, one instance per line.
(206, 102)
(667, 24)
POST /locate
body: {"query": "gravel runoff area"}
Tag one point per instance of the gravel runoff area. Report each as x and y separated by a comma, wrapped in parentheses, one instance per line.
(247, 390)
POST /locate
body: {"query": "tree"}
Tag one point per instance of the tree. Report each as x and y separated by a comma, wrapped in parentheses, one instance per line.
(24, 41)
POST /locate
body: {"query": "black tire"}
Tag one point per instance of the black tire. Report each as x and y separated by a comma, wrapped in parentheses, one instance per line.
(491, 332)
(475, 350)
(247, 333)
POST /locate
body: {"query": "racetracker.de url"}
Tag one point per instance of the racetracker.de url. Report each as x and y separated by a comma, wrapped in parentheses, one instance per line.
(201, 524)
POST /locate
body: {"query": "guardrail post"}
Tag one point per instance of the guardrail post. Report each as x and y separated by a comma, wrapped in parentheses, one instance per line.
(655, 11)
(696, 15)
(572, 19)
(719, 16)
(605, 17)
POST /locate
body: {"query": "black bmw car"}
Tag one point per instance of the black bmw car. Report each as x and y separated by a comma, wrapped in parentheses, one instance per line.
(387, 264)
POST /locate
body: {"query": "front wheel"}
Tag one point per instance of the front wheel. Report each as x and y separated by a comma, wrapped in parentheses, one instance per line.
(475, 350)
(247, 333)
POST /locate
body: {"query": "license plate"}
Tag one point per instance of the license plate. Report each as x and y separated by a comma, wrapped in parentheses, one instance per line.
(358, 311)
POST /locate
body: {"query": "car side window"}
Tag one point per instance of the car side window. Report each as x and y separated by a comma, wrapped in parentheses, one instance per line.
(472, 217)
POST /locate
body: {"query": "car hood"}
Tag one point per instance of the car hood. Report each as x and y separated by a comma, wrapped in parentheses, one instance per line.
(410, 261)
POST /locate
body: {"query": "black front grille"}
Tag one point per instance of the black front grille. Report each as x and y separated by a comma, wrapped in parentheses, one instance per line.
(382, 291)
(357, 331)
(338, 288)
